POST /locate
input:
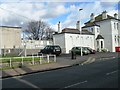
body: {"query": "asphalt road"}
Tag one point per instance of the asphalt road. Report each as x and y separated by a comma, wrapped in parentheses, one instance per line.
(100, 74)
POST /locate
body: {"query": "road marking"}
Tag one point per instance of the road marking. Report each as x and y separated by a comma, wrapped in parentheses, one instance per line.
(90, 60)
(111, 72)
(26, 82)
(75, 84)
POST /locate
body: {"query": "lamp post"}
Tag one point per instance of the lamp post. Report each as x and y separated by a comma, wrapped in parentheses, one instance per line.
(80, 32)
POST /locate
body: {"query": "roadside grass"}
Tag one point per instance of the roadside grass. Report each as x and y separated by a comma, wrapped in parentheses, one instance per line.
(19, 59)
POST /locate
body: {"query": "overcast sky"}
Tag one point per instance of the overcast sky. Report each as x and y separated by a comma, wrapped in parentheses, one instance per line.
(18, 12)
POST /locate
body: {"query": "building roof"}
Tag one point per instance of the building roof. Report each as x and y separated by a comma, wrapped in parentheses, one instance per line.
(99, 18)
(99, 37)
(10, 26)
(90, 24)
(75, 31)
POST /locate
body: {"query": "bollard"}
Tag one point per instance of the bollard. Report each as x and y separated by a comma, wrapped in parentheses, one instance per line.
(33, 60)
(40, 60)
(10, 62)
(22, 61)
(54, 58)
(20, 65)
(48, 58)
(73, 55)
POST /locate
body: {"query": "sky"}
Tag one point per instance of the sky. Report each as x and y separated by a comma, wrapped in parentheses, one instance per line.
(19, 12)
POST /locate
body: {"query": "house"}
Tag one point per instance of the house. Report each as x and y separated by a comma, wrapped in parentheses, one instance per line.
(70, 37)
(106, 29)
(100, 32)
(10, 38)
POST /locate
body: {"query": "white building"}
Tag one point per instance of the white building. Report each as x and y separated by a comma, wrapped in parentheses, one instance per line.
(107, 28)
(69, 38)
(100, 32)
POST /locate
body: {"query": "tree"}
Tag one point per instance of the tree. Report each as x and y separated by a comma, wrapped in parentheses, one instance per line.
(38, 30)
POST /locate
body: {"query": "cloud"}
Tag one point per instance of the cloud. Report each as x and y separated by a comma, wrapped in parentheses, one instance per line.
(88, 8)
(17, 12)
(30, 11)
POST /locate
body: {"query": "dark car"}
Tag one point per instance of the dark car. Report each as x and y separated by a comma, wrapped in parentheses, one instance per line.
(77, 50)
(51, 49)
(91, 50)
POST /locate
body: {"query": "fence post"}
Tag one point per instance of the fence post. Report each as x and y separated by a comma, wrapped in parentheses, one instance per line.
(54, 58)
(48, 58)
(10, 63)
(22, 61)
(40, 60)
(33, 60)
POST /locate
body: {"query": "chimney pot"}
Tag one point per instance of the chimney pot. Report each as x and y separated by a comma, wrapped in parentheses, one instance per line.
(92, 17)
(59, 27)
(104, 14)
(78, 25)
(116, 15)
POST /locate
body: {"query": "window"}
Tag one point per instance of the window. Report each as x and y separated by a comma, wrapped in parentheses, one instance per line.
(115, 39)
(98, 30)
(91, 29)
(114, 26)
(118, 39)
(117, 26)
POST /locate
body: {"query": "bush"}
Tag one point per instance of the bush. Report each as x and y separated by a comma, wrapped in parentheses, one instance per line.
(104, 50)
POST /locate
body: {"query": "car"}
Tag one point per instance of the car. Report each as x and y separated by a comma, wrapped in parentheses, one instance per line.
(77, 50)
(91, 50)
(51, 49)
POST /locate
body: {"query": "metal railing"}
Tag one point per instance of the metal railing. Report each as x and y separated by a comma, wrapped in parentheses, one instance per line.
(32, 59)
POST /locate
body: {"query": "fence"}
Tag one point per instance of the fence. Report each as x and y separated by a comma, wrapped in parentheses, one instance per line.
(26, 61)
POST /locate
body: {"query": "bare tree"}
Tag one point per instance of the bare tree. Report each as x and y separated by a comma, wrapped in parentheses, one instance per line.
(38, 30)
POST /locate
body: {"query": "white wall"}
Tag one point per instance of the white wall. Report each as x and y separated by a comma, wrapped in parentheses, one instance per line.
(94, 30)
(59, 39)
(36, 44)
(106, 32)
(72, 40)
(114, 33)
(119, 32)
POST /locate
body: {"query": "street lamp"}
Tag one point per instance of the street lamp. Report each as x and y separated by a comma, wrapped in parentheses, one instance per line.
(80, 32)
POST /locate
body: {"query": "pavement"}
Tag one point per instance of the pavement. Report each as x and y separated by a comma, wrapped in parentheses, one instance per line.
(63, 61)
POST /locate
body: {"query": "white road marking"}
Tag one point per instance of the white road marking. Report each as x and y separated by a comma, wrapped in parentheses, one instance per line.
(90, 60)
(23, 81)
(75, 84)
(111, 72)
(26, 82)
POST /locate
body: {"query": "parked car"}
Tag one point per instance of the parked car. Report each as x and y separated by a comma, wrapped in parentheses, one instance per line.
(51, 49)
(77, 50)
(91, 50)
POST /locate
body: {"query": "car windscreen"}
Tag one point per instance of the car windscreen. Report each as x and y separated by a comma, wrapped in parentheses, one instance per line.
(57, 47)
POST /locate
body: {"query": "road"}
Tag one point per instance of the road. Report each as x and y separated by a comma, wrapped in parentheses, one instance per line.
(99, 74)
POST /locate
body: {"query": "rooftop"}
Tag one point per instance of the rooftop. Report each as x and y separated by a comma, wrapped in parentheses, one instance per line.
(10, 26)
(98, 19)
(75, 31)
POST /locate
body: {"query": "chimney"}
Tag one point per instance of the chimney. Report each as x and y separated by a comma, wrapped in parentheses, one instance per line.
(92, 16)
(78, 25)
(104, 15)
(59, 27)
(116, 15)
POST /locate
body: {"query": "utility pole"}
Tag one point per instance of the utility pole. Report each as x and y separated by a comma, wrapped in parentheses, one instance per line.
(80, 31)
